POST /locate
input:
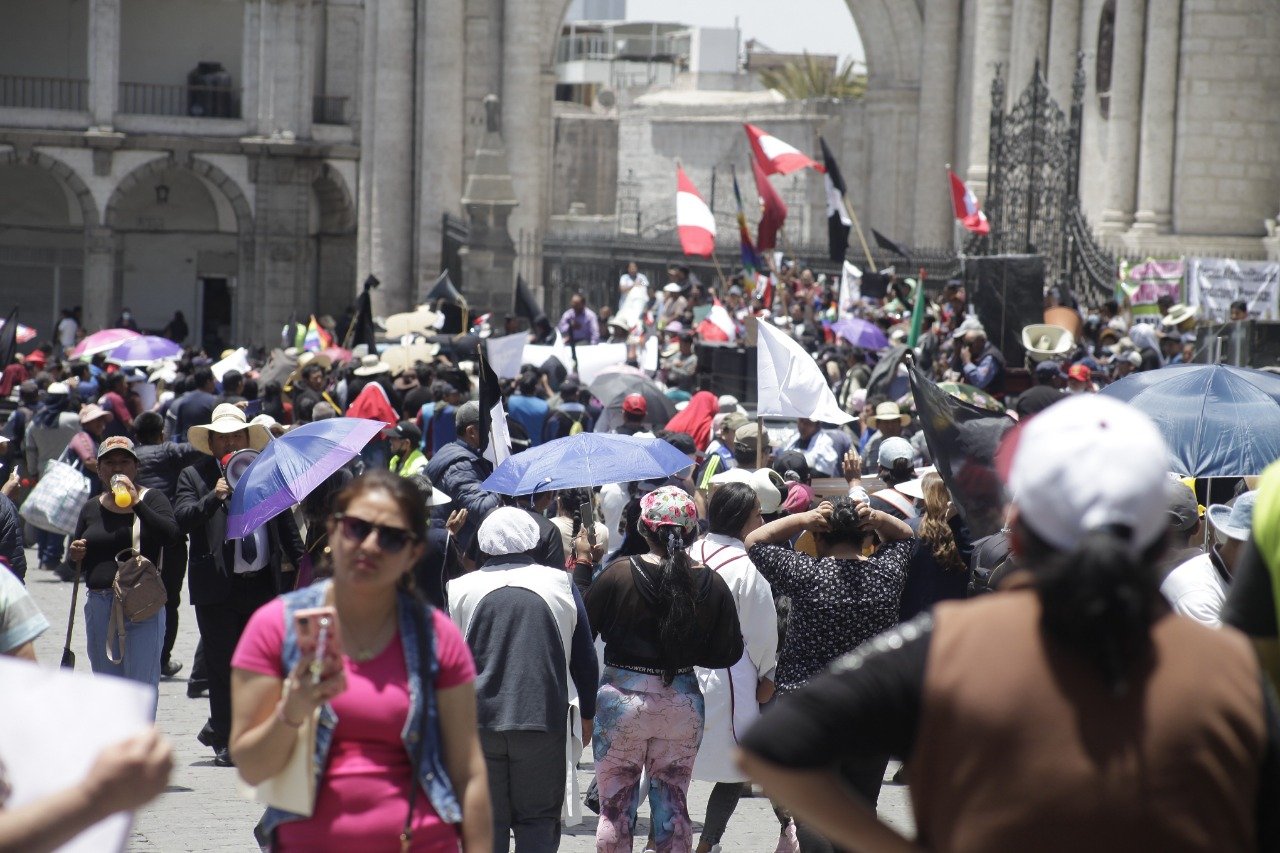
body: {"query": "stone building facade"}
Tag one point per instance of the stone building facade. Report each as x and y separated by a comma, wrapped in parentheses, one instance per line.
(328, 138)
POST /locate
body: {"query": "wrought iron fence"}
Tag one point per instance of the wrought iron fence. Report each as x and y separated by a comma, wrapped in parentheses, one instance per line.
(165, 100)
(329, 109)
(43, 93)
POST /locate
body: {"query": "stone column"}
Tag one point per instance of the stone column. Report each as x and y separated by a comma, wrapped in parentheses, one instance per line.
(1124, 116)
(99, 277)
(386, 155)
(990, 46)
(1064, 41)
(104, 61)
(1159, 103)
(441, 126)
(935, 136)
(1028, 41)
(526, 106)
(284, 59)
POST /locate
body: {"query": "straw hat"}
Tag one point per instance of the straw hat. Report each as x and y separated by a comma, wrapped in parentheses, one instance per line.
(227, 418)
(372, 365)
(891, 412)
(1179, 314)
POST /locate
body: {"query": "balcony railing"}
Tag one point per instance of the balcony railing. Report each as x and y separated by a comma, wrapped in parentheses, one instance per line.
(158, 99)
(43, 93)
(329, 109)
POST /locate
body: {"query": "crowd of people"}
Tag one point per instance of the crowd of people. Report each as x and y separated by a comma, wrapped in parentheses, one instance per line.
(788, 608)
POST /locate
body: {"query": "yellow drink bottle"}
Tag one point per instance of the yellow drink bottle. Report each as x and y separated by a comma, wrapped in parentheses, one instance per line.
(119, 492)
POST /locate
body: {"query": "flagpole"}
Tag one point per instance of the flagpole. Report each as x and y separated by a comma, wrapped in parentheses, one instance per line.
(724, 283)
(760, 443)
(862, 238)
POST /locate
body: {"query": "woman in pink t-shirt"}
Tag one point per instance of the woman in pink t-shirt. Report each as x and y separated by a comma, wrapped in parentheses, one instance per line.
(376, 534)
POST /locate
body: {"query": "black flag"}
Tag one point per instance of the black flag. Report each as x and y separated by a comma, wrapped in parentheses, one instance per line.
(963, 440)
(495, 441)
(527, 305)
(888, 245)
(444, 289)
(838, 223)
(364, 331)
(9, 338)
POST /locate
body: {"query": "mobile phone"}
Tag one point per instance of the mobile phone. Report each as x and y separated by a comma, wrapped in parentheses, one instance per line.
(587, 515)
(318, 639)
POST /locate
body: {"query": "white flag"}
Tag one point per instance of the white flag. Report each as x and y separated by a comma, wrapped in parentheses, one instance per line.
(850, 288)
(506, 354)
(790, 383)
(499, 447)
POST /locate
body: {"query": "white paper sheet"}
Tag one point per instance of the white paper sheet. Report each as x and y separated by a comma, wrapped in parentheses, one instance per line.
(47, 742)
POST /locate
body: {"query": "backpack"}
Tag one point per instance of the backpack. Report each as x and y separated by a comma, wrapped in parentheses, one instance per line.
(991, 561)
(138, 587)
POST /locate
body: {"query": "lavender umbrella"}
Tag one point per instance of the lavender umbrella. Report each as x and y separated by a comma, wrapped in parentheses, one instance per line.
(860, 333)
(144, 350)
(292, 466)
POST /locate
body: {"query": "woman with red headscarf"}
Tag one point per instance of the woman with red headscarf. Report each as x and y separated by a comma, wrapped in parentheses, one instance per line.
(696, 418)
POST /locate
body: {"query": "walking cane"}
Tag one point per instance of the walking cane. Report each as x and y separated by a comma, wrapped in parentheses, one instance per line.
(68, 656)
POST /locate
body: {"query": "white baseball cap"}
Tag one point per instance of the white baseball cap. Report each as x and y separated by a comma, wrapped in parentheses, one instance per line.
(1088, 463)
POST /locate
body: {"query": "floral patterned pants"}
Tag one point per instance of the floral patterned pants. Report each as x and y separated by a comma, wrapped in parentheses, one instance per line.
(643, 724)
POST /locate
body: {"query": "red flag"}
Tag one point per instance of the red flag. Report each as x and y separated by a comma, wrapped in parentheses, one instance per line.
(694, 220)
(774, 213)
(965, 205)
(775, 156)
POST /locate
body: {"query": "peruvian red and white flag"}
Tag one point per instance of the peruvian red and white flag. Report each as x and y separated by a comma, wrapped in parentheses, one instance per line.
(775, 156)
(718, 325)
(965, 204)
(694, 220)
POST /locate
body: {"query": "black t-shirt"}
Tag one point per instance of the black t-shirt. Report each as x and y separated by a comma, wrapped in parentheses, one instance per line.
(107, 533)
(1250, 605)
(1037, 399)
(871, 701)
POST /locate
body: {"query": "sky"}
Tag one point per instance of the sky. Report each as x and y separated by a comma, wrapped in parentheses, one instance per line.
(819, 26)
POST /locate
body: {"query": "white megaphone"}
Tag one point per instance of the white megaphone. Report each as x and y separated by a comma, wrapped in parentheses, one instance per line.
(235, 464)
(1043, 341)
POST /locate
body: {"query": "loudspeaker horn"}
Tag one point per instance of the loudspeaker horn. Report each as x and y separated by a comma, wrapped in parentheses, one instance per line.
(1044, 341)
(237, 463)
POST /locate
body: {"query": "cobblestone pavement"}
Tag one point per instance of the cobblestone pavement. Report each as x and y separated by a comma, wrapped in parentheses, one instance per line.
(203, 811)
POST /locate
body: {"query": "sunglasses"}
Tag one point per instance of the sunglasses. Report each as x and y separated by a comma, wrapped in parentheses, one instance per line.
(391, 540)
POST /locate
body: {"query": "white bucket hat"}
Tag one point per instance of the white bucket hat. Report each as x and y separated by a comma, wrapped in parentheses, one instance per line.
(227, 418)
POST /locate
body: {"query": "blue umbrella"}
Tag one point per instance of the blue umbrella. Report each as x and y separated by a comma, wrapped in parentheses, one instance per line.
(1218, 421)
(860, 333)
(292, 466)
(586, 459)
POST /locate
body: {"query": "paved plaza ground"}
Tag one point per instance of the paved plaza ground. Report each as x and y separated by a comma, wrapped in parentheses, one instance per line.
(203, 811)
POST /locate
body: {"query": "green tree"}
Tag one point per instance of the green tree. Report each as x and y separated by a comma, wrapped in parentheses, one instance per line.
(810, 78)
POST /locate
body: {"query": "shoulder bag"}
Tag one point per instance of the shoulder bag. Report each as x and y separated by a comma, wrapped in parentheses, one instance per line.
(139, 590)
(426, 649)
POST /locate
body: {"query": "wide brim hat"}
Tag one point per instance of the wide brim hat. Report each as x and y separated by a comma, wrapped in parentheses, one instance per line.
(227, 418)
(1236, 520)
(912, 488)
(372, 365)
(92, 412)
(1179, 314)
(891, 412)
(765, 482)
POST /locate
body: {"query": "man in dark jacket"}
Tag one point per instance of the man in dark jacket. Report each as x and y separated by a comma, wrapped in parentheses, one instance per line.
(458, 469)
(160, 463)
(229, 578)
(196, 407)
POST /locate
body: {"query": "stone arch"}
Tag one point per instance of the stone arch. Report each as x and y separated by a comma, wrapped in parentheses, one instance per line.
(336, 206)
(891, 31)
(214, 178)
(64, 174)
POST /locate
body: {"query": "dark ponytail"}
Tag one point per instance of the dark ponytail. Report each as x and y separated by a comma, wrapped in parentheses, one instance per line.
(676, 616)
(1099, 600)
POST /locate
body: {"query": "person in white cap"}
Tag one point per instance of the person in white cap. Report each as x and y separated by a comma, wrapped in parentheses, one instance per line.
(1198, 588)
(536, 678)
(228, 579)
(1072, 710)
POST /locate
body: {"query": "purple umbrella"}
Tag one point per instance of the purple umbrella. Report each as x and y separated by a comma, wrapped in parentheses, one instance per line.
(860, 333)
(144, 350)
(292, 467)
